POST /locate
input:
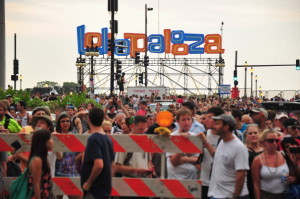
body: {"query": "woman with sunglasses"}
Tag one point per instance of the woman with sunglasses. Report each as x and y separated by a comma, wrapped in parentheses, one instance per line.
(270, 171)
(66, 167)
(252, 134)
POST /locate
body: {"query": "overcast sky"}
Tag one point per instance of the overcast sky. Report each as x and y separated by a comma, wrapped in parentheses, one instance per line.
(263, 32)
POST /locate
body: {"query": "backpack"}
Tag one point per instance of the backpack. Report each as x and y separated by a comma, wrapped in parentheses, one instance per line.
(6, 123)
(119, 81)
(19, 187)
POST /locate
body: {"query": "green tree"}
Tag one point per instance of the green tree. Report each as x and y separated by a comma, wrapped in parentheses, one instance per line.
(70, 87)
(48, 84)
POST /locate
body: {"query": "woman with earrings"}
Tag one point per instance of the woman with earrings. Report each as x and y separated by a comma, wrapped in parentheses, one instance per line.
(270, 171)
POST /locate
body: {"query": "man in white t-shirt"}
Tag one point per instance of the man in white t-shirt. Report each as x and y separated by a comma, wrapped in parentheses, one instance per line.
(228, 179)
(182, 165)
(213, 139)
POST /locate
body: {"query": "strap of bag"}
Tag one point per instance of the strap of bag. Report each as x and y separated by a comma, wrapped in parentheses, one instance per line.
(128, 158)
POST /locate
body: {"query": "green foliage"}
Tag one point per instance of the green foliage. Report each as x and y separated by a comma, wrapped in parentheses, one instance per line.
(36, 102)
(74, 99)
(69, 87)
(16, 94)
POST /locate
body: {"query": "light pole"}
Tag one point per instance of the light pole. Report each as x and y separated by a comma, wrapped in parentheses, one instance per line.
(245, 92)
(21, 78)
(256, 78)
(146, 44)
(80, 63)
(260, 92)
(46, 86)
(91, 52)
(251, 72)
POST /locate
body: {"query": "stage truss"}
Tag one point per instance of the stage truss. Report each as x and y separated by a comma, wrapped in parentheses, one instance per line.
(188, 76)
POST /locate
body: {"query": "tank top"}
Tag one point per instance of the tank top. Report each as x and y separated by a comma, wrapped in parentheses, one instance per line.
(24, 120)
(273, 183)
(45, 186)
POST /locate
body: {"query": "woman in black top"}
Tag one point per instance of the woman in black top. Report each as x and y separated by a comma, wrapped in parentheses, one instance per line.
(252, 134)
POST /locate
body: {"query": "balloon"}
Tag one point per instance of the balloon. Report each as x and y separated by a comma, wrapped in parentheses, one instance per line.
(164, 118)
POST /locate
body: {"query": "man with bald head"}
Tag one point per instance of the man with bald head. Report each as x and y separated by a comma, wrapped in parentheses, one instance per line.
(246, 119)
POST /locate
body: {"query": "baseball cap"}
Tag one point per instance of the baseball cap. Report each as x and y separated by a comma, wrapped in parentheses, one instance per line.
(290, 122)
(228, 119)
(260, 110)
(281, 115)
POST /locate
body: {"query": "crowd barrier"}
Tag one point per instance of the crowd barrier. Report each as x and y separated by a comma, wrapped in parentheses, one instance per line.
(142, 187)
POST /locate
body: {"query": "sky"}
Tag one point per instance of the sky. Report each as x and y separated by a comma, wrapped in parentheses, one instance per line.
(263, 32)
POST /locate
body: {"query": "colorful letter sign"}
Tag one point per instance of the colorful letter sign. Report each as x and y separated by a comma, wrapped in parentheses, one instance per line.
(176, 42)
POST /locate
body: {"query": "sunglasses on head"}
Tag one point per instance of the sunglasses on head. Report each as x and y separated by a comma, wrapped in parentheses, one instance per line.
(272, 140)
(294, 127)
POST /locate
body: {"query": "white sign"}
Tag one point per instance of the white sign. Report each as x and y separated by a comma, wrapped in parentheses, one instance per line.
(224, 89)
(140, 90)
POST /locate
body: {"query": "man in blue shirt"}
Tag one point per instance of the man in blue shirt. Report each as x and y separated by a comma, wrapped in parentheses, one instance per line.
(196, 126)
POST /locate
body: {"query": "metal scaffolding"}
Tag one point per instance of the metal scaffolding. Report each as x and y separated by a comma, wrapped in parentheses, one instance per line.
(190, 75)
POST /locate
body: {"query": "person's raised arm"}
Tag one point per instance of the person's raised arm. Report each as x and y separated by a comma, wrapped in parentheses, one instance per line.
(208, 146)
(120, 104)
(78, 125)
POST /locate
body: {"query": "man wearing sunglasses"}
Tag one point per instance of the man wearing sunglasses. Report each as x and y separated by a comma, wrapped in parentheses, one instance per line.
(291, 128)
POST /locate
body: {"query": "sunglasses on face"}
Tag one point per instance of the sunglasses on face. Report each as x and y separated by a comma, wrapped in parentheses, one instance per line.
(271, 141)
(294, 127)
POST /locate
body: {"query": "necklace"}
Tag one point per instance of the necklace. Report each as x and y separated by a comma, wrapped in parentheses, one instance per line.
(269, 167)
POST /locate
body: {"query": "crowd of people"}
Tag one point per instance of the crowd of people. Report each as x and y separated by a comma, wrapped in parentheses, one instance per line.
(249, 152)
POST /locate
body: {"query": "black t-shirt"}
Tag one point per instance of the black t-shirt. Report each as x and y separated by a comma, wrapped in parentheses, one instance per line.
(98, 146)
(111, 115)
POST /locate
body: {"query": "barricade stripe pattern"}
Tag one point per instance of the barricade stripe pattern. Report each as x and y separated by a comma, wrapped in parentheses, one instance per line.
(122, 143)
(142, 187)
(177, 189)
(139, 187)
(71, 142)
(146, 144)
(185, 145)
(67, 186)
(4, 146)
(117, 146)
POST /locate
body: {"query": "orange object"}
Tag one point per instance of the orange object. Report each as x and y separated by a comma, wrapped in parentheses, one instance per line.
(164, 118)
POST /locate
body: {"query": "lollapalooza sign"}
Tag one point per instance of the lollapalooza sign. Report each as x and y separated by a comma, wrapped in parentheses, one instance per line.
(176, 42)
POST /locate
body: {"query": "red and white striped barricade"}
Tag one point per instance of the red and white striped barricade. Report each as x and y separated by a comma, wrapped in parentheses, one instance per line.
(142, 187)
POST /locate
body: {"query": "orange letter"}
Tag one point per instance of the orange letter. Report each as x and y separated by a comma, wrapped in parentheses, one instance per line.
(92, 35)
(134, 37)
(213, 44)
(167, 35)
(176, 49)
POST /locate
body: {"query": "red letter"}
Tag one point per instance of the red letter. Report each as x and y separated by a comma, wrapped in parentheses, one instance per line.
(167, 35)
(213, 44)
(176, 47)
(134, 37)
(92, 35)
